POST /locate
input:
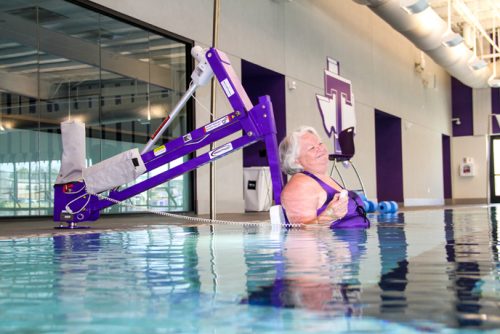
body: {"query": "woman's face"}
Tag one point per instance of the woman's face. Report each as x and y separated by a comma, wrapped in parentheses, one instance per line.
(313, 155)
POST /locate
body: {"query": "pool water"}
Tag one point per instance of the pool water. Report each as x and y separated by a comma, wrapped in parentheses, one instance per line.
(432, 271)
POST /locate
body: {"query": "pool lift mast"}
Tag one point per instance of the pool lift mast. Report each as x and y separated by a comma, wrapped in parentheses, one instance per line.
(80, 199)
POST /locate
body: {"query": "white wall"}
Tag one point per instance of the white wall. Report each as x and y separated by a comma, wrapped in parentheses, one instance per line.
(422, 165)
(471, 187)
(481, 105)
(294, 38)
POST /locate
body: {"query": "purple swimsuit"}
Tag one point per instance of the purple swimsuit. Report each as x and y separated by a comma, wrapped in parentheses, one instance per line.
(355, 216)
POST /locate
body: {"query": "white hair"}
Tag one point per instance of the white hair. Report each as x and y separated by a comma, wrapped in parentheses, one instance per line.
(289, 150)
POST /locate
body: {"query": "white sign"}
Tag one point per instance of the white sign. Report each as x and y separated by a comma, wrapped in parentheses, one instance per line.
(226, 86)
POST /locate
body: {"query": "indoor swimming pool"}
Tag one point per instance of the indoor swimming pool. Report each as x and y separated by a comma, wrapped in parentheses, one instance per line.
(420, 271)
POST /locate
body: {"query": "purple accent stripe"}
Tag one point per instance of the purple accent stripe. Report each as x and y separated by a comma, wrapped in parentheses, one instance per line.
(495, 108)
(389, 157)
(446, 166)
(461, 107)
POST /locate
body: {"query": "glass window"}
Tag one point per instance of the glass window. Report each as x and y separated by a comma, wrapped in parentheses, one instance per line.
(60, 61)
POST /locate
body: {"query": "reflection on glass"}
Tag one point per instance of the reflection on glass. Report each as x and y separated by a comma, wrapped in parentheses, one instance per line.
(61, 61)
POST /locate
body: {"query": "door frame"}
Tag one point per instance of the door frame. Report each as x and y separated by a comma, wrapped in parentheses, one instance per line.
(493, 197)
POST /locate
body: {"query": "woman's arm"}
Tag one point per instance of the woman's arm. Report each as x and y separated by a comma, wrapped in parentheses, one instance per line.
(300, 199)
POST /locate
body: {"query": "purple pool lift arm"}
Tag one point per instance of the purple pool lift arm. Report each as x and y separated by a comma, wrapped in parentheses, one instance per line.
(256, 122)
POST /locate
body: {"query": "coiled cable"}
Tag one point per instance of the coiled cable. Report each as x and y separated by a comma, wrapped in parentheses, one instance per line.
(189, 218)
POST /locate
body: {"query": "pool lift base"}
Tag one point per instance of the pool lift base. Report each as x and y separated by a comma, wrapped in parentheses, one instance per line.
(69, 219)
(70, 226)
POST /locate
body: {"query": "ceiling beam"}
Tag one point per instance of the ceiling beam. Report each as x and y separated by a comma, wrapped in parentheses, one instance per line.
(24, 85)
(25, 32)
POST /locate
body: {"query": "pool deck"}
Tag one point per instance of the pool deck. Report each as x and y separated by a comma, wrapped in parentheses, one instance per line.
(19, 227)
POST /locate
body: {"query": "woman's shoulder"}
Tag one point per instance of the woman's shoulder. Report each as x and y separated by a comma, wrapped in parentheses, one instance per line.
(299, 179)
(300, 182)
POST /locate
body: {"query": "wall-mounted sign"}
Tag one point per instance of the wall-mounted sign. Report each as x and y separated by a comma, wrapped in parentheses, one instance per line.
(337, 105)
(467, 167)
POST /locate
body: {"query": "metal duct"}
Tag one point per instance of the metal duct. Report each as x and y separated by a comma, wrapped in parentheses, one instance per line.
(418, 22)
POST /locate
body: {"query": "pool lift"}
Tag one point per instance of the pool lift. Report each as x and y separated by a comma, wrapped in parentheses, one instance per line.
(78, 192)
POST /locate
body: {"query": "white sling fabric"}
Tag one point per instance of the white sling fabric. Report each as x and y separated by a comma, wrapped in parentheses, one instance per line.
(113, 172)
(73, 156)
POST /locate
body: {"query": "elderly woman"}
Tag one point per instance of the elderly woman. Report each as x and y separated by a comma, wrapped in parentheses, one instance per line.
(311, 196)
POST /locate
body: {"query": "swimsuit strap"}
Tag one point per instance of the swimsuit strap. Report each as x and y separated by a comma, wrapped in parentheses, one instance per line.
(330, 191)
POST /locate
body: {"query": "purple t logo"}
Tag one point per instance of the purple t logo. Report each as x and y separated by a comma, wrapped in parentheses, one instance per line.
(337, 105)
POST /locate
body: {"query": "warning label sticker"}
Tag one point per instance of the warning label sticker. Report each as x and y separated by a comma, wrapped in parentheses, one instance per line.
(159, 150)
(217, 124)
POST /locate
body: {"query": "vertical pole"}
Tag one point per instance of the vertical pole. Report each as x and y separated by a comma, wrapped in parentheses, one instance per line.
(489, 146)
(215, 32)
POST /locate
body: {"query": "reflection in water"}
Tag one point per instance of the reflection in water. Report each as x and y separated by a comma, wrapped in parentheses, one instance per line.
(428, 271)
(495, 244)
(139, 272)
(314, 270)
(76, 243)
(428, 277)
(468, 249)
(394, 263)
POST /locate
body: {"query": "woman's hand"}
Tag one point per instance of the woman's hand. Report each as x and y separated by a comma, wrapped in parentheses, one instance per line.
(336, 209)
